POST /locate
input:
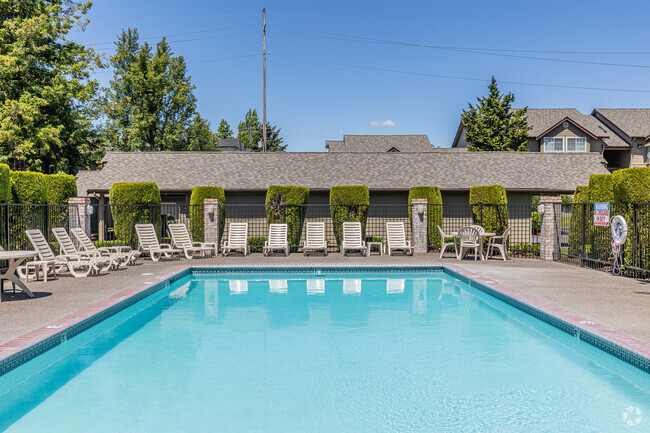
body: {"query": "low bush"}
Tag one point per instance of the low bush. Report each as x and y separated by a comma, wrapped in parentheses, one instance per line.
(134, 203)
(489, 207)
(434, 210)
(256, 243)
(197, 223)
(27, 188)
(287, 204)
(348, 203)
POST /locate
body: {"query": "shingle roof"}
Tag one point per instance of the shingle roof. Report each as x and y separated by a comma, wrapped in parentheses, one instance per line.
(380, 143)
(542, 119)
(451, 171)
(635, 122)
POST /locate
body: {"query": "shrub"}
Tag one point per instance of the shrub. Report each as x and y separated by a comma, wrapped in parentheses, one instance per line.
(5, 184)
(134, 203)
(60, 187)
(489, 207)
(348, 203)
(199, 194)
(256, 243)
(287, 204)
(434, 209)
(28, 187)
(601, 188)
(580, 195)
(632, 185)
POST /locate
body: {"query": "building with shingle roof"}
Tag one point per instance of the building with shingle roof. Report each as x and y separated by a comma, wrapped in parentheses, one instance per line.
(380, 143)
(633, 126)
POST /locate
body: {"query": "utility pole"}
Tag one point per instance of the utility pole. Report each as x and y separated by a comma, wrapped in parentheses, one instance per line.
(264, 79)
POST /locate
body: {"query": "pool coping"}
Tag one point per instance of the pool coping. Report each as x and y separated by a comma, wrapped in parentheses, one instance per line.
(622, 346)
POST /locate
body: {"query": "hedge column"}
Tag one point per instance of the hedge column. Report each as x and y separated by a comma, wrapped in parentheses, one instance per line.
(548, 242)
(419, 225)
(77, 213)
(211, 222)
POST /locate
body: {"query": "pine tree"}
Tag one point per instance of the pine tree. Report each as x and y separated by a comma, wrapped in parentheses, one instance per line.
(200, 137)
(250, 133)
(493, 125)
(225, 131)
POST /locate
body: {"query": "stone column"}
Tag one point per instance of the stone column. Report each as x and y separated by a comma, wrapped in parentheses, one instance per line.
(419, 225)
(211, 222)
(77, 213)
(548, 242)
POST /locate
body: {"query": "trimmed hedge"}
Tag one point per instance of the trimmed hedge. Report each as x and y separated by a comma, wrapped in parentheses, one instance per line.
(580, 195)
(28, 187)
(199, 194)
(348, 203)
(489, 207)
(287, 204)
(134, 203)
(601, 188)
(434, 209)
(5, 183)
(600, 191)
(60, 187)
(632, 185)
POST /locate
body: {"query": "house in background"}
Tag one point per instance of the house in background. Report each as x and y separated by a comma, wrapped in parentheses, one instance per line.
(633, 126)
(231, 145)
(381, 143)
(566, 130)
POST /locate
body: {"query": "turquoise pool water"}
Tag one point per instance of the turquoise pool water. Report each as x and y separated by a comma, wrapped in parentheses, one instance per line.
(367, 352)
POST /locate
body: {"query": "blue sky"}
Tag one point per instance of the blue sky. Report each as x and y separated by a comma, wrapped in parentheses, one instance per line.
(312, 101)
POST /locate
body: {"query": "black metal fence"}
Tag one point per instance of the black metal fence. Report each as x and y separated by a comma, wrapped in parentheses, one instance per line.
(583, 243)
(15, 219)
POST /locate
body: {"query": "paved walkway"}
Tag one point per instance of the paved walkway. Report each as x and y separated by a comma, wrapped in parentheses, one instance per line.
(617, 302)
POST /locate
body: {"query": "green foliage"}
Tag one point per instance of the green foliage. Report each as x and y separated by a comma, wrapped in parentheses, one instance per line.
(60, 187)
(28, 187)
(601, 188)
(46, 94)
(256, 243)
(225, 131)
(134, 203)
(434, 209)
(489, 207)
(199, 194)
(200, 137)
(348, 203)
(150, 104)
(580, 195)
(250, 132)
(5, 184)
(632, 185)
(287, 204)
(493, 125)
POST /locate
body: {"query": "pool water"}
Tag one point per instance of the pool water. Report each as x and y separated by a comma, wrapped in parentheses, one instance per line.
(281, 352)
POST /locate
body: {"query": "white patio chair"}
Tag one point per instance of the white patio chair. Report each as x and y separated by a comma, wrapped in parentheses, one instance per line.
(315, 238)
(277, 239)
(66, 247)
(396, 238)
(121, 253)
(77, 266)
(352, 238)
(502, 246)
(469, 240)
(237, 239)
(182, 240)
(445, 245)
(148, 244)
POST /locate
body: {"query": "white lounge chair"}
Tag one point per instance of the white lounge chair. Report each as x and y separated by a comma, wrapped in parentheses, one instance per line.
(277, 239)
(66, 247)
(352, 238)
(78, 266)
(181, 239)
(396, 238)
(123, 254)
(502, 246)
(315, 238)
(148, 244)
(445, 245)
(237, 239)
(469, 240)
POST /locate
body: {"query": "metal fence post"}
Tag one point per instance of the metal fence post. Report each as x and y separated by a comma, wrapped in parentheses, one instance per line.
(582, 231)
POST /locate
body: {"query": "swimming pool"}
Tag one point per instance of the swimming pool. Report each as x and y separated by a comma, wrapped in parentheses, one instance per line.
(323, 351)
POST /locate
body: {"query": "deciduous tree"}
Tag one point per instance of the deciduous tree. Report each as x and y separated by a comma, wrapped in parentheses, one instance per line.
(225, 131)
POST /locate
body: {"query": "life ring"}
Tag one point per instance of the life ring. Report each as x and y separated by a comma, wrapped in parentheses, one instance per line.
(619, 229)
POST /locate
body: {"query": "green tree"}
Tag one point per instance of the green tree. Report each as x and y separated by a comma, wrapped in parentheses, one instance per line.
(150, 103)
(225, 131)
(493, 125)
(46, 94)
(199, 136)
(250, 133)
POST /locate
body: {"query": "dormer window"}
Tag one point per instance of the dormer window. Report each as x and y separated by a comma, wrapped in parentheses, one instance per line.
(568, 144)
(553, 144)
(577, 144)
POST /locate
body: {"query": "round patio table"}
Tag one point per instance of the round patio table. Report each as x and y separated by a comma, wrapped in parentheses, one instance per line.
(481, 236)
(15, 258)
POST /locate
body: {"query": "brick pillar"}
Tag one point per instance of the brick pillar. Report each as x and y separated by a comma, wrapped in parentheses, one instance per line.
(211, 222)
(419, 225)
(77, 213)
(548, 242)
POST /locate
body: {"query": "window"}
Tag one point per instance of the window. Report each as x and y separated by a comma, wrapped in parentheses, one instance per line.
(576, 144)
(553, 144)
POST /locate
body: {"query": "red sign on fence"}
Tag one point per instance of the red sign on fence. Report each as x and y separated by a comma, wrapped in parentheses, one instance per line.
(601, 214)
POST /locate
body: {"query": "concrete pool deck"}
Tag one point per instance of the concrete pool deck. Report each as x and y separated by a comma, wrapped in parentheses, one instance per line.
(618, 303)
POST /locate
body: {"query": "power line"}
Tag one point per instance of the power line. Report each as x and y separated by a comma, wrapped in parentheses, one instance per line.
(200, 39)
(194, 62)
(453, 77)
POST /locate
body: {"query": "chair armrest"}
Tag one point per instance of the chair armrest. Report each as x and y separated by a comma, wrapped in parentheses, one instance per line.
(108, 250)
(165, 246)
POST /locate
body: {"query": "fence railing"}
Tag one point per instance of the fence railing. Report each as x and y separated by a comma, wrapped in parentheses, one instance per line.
(583, 243)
